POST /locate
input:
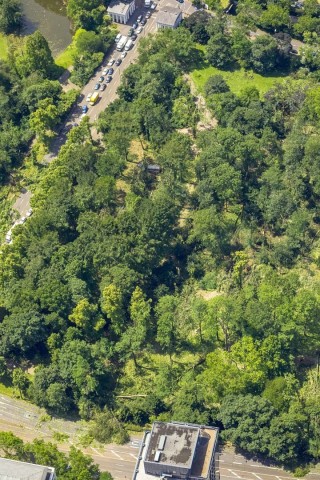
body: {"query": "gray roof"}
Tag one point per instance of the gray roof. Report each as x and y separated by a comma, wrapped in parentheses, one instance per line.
(119, 8)
(179, 447)
(168, 16)
(14, 470)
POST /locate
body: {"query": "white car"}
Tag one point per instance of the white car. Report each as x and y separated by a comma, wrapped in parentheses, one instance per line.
(22, 220)
(29, 212)
(89, 97)
(111, 62)
(153, 6)
(139, 29)
(105, 71)
(118, 37)
(123, 54)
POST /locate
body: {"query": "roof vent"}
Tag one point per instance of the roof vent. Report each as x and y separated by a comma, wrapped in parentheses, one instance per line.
(157, 456)
(162, 442)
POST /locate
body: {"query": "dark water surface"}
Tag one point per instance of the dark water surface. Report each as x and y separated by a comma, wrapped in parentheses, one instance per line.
(48, 16)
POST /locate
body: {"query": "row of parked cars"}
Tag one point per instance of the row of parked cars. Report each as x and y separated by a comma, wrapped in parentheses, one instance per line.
(108, 71)
(18, 222)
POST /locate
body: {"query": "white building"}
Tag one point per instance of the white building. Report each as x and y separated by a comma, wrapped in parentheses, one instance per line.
(169, 17)
(120, 12)
(14, 470)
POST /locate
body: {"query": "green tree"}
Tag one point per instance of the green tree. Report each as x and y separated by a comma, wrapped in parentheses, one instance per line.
(20, 381)
(274, 17)
(89, 42)
(218, 51)
(215, 84)
(38, 56)
(10, 15)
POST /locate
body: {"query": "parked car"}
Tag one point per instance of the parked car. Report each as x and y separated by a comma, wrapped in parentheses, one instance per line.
(88, 97)
(118, 62)
(103, 87)
(110, 71)
(97, 86)
(131, 31)
(148, 14)
(101, 79)
(139, 29)
(123, 54)
(108, 79)
(139, 18)
(85, 108)
(105, 71)
(153, 6)
(118, 37)
(29, 212)
(143, 21)
(135, 25)
(111, 62)
(134, 37)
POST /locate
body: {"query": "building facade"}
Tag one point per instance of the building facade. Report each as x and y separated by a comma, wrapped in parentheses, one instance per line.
(169, 17)
(120, 12)
(178, 451)
(14, 470)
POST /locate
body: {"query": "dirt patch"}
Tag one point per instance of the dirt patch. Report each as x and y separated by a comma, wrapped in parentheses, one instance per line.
(207, 120)
(208, 294)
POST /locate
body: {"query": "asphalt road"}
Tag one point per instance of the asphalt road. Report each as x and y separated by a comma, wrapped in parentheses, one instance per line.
(25, 420)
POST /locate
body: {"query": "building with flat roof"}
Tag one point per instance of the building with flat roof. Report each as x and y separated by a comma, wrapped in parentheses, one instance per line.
(14, 470)
(169, 17)
(120, 11)
(177, 451)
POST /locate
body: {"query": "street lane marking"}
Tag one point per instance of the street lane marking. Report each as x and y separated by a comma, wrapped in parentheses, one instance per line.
(262, 466)
(95, 450)
(262, 473)
(259, 478)
(235, 474)
(133, 456)
(112, 451)
(238, 463)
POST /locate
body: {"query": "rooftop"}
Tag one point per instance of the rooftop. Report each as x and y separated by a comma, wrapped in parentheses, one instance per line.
(169, 15)
(186, 446)
(179, 444)
(14, 470)
(119, 8)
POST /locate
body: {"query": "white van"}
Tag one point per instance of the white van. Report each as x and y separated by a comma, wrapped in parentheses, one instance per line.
(128, 45)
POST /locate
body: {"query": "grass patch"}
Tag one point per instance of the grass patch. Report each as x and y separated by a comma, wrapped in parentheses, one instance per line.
(65, 58)
(236, 79)
(7, 390)
(3, 47)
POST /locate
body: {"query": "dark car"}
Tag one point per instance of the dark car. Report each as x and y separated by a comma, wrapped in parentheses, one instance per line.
(130, 32)
(148, 14)
(135, 25)
(118, 62)
(103, 87)
(134, 37)
(97, 86)
(85, 108)
(108, 79)
(143, 21)
(110, 71)
(139, 18)
(101, 79)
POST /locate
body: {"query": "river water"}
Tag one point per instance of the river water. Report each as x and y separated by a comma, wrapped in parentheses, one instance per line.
(48, 16)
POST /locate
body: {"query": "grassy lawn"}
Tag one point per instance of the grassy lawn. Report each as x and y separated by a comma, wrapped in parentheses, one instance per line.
(236, 79)
(3, 47)
(65, 58)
